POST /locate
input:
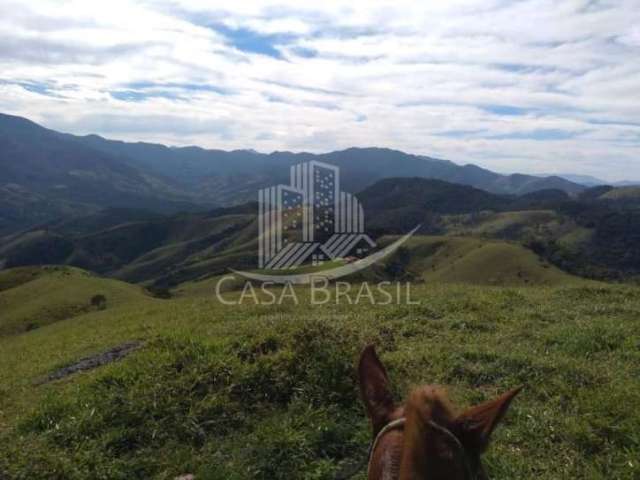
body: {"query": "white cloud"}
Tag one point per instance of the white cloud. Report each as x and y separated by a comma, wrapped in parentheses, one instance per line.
(530, 86)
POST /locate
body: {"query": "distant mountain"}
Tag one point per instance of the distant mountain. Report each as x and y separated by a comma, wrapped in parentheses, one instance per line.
(621, 193)
(596, 234)
(540, 199)
(213, 176)
(624, 197)
(586, 180)
(627, 183)
(396, 205)
(46, 175)
(233, 177)
(590, 181)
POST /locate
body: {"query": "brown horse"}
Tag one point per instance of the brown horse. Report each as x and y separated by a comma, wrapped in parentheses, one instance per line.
(425, 439)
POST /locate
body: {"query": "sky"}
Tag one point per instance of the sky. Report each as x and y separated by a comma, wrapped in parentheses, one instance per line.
(531, 86)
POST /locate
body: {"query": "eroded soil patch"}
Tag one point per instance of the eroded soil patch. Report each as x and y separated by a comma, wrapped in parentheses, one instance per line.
(93, 361)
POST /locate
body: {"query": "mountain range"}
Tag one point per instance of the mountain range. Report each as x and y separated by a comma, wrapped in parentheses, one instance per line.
(590, 181)
(595, 233)
(47, 175)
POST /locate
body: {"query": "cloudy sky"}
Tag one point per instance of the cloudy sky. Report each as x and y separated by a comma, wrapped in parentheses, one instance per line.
(535, 86)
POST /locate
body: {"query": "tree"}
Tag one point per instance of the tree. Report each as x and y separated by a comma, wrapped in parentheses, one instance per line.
(99, 301)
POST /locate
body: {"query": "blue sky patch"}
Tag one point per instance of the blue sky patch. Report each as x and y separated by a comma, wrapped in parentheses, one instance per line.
(504, 109)
(458, 133)
(304, 52)
(303, 88)
(250, 41)
(193, 87)
(40, 88)
(541, 135)
(141, 96)
(513, 67)
(34, 87)
(276, 99)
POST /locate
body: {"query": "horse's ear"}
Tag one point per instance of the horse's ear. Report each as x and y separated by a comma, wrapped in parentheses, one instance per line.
(374, 387)
(476, 424)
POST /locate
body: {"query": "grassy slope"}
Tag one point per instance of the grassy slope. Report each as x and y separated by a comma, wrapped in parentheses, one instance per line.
(494, 224)
(141, 251)
(191, 246)
(248, 391)
(517, 225)
(43, 295)
(621, 193)
(19, 276)
(477, 261)
(435, 259)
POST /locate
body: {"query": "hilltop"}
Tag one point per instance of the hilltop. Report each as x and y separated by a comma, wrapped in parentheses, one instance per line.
(445, 259)
(34, 297)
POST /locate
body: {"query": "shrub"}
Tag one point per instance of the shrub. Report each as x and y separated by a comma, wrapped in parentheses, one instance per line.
(99, 301)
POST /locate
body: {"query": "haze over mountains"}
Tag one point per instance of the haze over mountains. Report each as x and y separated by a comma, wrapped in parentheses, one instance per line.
(162, 215)
(590, 181)
(46, 175)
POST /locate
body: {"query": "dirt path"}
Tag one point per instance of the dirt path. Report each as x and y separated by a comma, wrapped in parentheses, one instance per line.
(94, 361)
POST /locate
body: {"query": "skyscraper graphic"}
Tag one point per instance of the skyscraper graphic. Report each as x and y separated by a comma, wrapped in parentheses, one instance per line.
(309, 219)
(280, 220)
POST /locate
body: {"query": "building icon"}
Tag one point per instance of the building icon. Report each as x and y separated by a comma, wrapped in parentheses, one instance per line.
(309, 220)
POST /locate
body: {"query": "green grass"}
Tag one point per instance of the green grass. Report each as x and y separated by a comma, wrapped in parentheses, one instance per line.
(622, 193)
(496, 224)
(189, 245)
(269, 392)
(433, 259)
(19, 276)
(574, 239)
(477, 261)
(40, 296)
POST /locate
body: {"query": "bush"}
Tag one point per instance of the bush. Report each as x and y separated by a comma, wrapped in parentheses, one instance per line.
(99, 301)
(159, 292)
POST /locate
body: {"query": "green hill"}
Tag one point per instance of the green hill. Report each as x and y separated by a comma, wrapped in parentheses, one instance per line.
(268, 392)
(622, 193)
(167, 250)
(396, 205)
(513, 225)
(444, 259)
(34, 297)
